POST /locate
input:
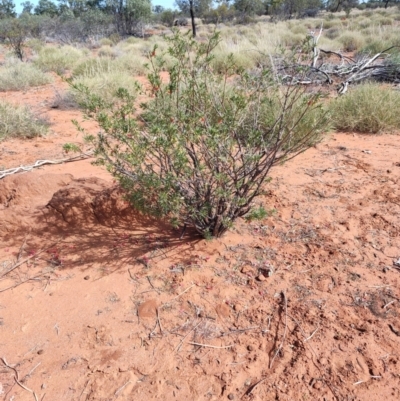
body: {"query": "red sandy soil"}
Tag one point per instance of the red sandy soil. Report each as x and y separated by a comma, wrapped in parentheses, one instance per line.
(110, 305)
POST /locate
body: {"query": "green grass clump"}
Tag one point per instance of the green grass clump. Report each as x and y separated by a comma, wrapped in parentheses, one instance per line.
(58, 59)
(19, 121)
(367, 108)
(16, 75)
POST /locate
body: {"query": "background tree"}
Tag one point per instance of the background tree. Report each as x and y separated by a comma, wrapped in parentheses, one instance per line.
(128, 13)
(27, 7)
(46, 7)
(200, 7)
(7, 9)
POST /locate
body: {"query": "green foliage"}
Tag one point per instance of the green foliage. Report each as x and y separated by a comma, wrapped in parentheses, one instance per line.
(368, 108)
(15, 31)
(46, 7)
(71, 148)
(19, 121)
(259, 213)
(16, 75)
(206, 141)
(7, 9)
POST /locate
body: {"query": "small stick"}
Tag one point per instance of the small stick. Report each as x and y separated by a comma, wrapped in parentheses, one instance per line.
(159, 322)
(359, 382)
(187, 289)
(122, 387)
(391, 302)
(28, 258)
(312, 335)
(284, 333)
(32, 370)
(21, 249)
(131, 276)
(183, 339)
(239, 331)
(253, 386)
(379, 286)
(152, 286)
(22, 282)
(16, 378)
(210, 346)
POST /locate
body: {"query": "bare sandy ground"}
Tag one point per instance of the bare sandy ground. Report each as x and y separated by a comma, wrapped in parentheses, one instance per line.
(110, 305)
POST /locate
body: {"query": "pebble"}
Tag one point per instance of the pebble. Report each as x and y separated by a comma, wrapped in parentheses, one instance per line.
(86, 278)
(231, 396)
(246, 269)
(317, 385)
(261, 277)
(250, 348)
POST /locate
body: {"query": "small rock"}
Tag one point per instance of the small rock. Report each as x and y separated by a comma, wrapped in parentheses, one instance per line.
(246, 269)
(224, 377)
(40, 352)
(86, 278)
(323, 361)
(231, 396)
(261, 277)
(250, 348)
(237, 307)
(317, 385)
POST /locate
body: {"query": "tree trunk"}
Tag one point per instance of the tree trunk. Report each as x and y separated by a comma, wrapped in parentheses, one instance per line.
(192, 17)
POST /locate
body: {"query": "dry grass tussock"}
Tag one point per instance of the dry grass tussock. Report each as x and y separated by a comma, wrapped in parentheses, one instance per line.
(16, 75)
(19, 121)
(368, 109)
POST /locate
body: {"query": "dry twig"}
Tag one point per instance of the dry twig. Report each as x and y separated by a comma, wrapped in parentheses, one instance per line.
(16, 378)
(39, 163)
(284, 333)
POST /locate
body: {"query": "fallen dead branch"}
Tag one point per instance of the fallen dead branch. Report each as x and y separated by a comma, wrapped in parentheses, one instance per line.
(16, 377)
(380, 67)
(39, 163)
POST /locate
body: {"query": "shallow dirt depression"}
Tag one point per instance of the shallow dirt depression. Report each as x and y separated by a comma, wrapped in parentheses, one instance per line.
(105, 304)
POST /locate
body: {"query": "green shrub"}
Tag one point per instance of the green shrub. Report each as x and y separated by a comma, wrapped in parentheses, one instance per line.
(206, 141)
(368, 108)
(58, 59)
(19, 121)
(16, 75)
